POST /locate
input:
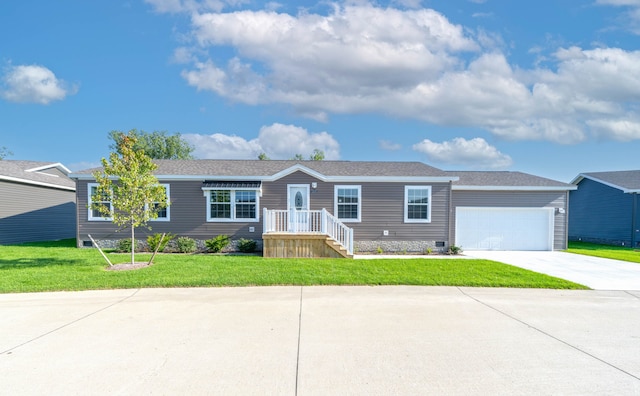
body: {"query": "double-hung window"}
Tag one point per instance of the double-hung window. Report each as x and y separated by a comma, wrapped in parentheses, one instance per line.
(232, 205)
(96, 199)
(164, 214)
(417, 204)
(348, 203)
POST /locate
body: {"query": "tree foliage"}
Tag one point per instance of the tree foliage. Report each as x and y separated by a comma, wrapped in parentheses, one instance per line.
(157, 144)
(263, 157)
(4, 152)
(317, 155)
(134, 192)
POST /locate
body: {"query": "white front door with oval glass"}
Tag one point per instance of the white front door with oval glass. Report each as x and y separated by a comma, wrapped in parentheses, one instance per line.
(298, 202)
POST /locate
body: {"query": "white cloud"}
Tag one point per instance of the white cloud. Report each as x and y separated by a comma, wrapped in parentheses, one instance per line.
(277, 141)
(389, 146)
(33, 84)
(459, 151)
(416, 64)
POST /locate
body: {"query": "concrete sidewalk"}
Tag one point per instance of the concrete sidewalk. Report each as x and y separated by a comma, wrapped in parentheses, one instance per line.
(321, 340)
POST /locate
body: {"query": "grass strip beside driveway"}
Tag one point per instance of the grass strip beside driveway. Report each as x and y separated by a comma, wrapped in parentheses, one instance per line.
(605, 251)
(57, 266)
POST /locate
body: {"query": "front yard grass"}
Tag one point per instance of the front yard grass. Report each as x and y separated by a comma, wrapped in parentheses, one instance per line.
(57, 266)
(605, 251)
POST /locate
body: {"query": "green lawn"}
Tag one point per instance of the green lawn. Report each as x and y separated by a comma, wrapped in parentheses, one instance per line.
(612, 252)
(54, 266)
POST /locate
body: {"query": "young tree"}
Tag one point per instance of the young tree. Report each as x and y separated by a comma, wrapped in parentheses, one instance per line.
(263, 157)
(157, 144)
(134, 192)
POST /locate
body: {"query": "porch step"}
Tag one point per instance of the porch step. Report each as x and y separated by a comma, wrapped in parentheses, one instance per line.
(338, 247)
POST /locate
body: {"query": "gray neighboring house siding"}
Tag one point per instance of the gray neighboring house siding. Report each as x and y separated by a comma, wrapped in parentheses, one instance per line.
(605, 208)
(37, 202)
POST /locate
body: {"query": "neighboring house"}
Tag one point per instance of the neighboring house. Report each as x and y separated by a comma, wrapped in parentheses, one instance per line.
(290, 207)
(37, 202)
(604, 208)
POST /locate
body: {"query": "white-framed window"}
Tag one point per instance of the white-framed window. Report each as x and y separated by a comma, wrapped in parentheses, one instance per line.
(233, 205)
(104, 200)
(417, 204)
(348, 203)
(164, 214)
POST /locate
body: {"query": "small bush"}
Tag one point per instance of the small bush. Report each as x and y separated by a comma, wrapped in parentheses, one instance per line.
(218, 243)
(124, 246)
(154, 240)
(246, 245)
(379, 250)
(186, 245)
(453, 249)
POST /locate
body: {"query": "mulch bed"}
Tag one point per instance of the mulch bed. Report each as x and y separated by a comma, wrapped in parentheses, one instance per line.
(127, 266)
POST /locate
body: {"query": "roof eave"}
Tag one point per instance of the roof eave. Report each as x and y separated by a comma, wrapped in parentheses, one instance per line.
(514, 188)
(36, 183)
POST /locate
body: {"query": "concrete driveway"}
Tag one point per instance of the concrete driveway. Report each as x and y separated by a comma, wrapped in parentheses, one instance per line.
(594, 272)
(321, 341)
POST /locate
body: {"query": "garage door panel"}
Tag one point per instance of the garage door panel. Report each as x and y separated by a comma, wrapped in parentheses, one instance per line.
(480, 228)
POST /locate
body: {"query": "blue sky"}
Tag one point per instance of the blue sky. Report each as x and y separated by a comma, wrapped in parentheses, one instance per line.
(550, 88)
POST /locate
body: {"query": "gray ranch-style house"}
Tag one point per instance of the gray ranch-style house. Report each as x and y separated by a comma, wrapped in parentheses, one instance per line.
(338, 208)
(605, 208)
(37, 202)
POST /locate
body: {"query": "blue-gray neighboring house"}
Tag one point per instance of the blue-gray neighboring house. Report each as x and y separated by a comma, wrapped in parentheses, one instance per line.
(605, 208)
(37, 202)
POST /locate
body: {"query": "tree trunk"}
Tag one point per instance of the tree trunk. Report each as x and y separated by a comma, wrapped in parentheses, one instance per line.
(133, 245)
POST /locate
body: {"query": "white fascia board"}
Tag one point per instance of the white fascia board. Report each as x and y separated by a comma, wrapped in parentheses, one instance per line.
(49, 166)
(279, 175)
(512, 188)
(36, 183)
(579, 178)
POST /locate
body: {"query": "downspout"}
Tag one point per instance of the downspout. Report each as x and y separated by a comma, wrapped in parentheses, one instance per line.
(566, 223)
(634, 212)
(449, 230)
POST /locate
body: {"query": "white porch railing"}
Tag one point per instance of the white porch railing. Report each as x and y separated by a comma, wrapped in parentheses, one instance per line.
(308, 221)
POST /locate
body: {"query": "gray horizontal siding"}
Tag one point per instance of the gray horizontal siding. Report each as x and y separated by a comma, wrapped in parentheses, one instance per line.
(518, 199)
(382, 209)
(600, 213)
(31, 213)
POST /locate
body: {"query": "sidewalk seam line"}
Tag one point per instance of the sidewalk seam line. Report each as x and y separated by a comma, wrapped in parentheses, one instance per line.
(549, 335)
(69, 323)
(299, 333)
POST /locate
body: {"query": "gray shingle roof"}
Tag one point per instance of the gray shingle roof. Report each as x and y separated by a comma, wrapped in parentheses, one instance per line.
(248, 168)
(624, 180)
(37, 173)
(506, 179)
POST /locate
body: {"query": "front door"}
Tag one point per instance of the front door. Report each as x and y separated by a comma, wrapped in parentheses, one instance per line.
(298, 201)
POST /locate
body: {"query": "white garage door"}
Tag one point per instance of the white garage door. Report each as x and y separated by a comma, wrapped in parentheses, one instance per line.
(504, 228)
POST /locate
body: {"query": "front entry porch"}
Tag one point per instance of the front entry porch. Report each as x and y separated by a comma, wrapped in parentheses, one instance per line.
(305, 233)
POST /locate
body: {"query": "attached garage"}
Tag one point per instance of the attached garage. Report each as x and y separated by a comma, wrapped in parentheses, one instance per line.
(487, 228)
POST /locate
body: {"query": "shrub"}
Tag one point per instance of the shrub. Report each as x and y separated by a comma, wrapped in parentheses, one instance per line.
(154, 240)
(124, 246)
(186, 245)
(379, 250)
(218, 243)
(246, 245)
(453, 249)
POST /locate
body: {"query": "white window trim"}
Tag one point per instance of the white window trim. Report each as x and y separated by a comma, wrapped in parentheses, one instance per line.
(406, 204)
(233, 219)
(90, 216)
(335, 202)
(167, 188)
